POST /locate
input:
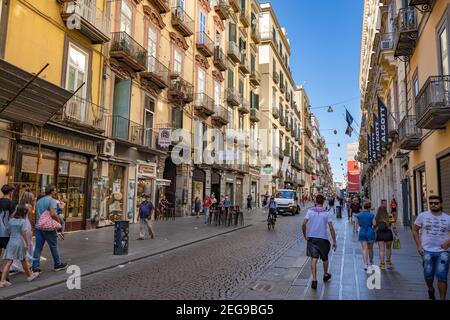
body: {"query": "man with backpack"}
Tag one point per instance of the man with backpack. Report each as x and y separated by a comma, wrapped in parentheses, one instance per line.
(145, 218)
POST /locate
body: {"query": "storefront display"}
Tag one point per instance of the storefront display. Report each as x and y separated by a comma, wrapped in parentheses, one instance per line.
(116, 192)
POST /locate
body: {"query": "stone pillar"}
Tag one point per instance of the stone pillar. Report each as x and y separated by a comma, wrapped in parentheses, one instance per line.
(207, 182)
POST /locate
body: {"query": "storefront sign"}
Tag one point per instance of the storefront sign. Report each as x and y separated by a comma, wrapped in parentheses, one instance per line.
(163, 183)
(147, 170)
(165, 138)
(60, 139)
(268, 170)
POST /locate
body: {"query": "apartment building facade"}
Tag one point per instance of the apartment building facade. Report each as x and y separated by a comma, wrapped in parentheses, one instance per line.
(404, 68)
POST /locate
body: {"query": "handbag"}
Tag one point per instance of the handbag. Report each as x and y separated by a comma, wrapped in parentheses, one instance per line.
(47, 223)
(397, 244)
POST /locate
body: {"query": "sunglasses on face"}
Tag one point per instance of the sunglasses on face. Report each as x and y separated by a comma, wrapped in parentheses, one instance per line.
(434, 203)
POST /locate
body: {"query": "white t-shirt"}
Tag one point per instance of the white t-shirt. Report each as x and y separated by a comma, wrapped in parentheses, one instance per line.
(318, 219)
(434, 230)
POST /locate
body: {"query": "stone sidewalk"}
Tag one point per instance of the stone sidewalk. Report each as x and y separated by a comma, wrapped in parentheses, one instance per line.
(290, 277)
(92, 250)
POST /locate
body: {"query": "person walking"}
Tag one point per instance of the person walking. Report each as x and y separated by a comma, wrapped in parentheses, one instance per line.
(249, 202)
(206, 206)
(213, 200)
(47, 203)
(355, 208)
(433, 244)
(145, 218)
(17, 245)
(315, 232)
(384, 238)
(197, 207)
(28, 201)
(6, 211)
(366, 221)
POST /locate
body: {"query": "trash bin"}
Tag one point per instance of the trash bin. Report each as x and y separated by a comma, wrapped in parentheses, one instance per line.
(339, 212)
(121, 231)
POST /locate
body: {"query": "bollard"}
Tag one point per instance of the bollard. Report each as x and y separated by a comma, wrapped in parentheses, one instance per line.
(121, 231)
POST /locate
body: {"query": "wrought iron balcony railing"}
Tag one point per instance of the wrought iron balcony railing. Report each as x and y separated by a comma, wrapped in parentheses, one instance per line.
(156, 73)
(222, 9)
(409, 136)
(93, 23)
(126, 130)
(204, 104)
(125, 49)
(220, 116)
(205, 44)
(406, 31)
(220, 60)
(182, 21)
(433, 103)
(233, 52)
(233, 97)
(180, 91)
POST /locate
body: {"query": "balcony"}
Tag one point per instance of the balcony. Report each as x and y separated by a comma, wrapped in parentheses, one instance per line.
(288, 97)
(180, 91)
(220, 60)
(222, 8)
(127, 51)
(93, 23)
(244, 17)
(386, 42)
(433, 103)
(244, 66)
(255, 34)
(233, 52)
(233, 97)
(161, 5)
(280, 153)
(308, 130)
(275, 112)
(276, 78)
(235, 5)
(425, 5)
(308, 150)
(156, 74)
(282, 120)
(282, 88)
(127, 131)
(205, 45)
(255, 77)
(254, 115)
(220, 116)
(409, 135)
(204, 104)
(406, 32)
(244, 107)
(82, 114)
(182, 22)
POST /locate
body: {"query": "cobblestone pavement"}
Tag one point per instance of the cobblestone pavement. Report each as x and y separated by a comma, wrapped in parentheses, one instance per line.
(218, 268)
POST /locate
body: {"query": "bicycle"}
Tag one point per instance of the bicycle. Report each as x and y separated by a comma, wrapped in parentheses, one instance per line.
(271, 220)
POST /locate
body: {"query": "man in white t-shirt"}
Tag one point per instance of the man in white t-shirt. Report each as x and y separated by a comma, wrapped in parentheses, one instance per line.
(317, 220)
(433, 245)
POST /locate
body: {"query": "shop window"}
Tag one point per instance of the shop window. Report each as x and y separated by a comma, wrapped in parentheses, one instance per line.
(421, 190)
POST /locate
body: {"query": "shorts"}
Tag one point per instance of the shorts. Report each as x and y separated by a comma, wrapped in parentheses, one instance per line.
(318, 248)
(435, 264)
(366, 234)
(4, 242)
(385, 236)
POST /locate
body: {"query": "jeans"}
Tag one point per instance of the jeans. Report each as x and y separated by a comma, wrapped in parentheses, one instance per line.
(52, 239)
(206, 210)
(145, 228)
(436, 264)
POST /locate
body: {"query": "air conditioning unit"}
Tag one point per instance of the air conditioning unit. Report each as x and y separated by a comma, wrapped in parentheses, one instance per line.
(387, 44)
(107, 148)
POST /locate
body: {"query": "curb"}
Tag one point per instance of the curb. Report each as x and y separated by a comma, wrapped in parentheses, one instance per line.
(55, 283)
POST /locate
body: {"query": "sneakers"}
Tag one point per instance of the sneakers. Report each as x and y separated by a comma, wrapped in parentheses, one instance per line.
(33, 276)
(366, 267)
(326, 277)
(62, 266)
(314, 285)
(382, 266)
(4, 284)
(431, 294)
(389, 265)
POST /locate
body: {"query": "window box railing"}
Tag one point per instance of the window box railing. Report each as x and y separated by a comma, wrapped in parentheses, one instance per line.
(244, 66)
(255, 77)
(204, 104)
(126, 50)
(406, 31)
(180, 91)
(220, 116)
(433, 103)
(126, 130)
(233, 97)
(233, 52)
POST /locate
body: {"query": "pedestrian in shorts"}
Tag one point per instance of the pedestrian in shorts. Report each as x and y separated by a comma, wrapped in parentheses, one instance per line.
(315, 232)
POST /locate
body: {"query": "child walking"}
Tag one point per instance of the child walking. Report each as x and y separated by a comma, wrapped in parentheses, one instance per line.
(17, 245)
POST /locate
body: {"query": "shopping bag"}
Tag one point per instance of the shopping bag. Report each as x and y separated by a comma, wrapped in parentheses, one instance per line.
(397, 244)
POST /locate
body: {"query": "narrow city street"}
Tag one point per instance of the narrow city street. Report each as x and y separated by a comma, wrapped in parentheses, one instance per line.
(252, 264)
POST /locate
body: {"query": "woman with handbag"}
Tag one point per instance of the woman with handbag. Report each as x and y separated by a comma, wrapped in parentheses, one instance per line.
(47, 225)
(385, 237)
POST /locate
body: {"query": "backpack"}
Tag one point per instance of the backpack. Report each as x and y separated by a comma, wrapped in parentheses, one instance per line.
(4, 219)
(145, 210)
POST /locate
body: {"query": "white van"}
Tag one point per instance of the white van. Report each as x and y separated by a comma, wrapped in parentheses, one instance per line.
(287, 201)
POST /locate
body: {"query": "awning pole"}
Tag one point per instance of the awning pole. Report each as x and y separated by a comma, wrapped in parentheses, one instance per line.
(37, 166)
(23, 88)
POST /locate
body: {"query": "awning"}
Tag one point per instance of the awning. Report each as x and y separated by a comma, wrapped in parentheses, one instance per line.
(24, 97)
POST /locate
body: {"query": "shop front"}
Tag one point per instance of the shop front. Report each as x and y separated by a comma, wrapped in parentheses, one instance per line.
(229, 187)
(65, 161)
(216, 180)
(198, 184)
(146, 174)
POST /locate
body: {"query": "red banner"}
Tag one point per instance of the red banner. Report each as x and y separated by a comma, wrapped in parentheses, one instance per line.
(354, 178)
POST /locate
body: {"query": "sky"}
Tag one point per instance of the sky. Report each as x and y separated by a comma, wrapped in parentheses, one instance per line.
(325, 39)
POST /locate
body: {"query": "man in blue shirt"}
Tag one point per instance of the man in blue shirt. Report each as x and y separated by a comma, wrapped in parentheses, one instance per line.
(145, 218)
(51, 237)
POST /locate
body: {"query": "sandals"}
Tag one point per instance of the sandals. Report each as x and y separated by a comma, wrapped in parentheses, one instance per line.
(431, 294)
(314, 285)
(326, 277)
